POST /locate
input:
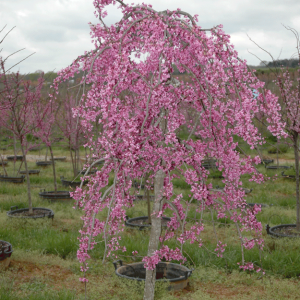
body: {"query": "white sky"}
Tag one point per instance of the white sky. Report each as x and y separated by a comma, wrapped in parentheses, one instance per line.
(58, 31)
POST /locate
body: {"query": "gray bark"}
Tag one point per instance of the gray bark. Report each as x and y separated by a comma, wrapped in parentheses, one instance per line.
(296, 152)
(277, 153)
(2, 162)
(27, 181)
(15, 153)
(53, 168)
(148, 199)
(154, 233)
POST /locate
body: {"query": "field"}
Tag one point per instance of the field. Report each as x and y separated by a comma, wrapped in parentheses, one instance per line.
(44, 264)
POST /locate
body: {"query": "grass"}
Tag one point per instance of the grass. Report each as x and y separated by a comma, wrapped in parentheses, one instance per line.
(44, 264)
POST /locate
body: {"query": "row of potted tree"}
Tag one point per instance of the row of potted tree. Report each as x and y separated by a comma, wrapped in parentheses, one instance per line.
(26, 113)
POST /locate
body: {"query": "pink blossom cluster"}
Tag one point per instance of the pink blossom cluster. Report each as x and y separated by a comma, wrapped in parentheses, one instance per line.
(220, 249)
(164, 252)
(250, 267)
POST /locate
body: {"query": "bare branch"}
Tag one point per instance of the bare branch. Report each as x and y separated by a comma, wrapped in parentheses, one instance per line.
(12, 54)
(261, 48)
(6, 34)
(94, 215)
(20, 61)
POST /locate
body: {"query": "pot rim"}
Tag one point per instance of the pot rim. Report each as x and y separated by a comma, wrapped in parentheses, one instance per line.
(52, 196)
(180, 278)
(261, 204)
(15, 177)
(67, 183)
(11, 213)
(127, 222)
(6, 253)
(271, 232)
(36, 171)
(278, 167)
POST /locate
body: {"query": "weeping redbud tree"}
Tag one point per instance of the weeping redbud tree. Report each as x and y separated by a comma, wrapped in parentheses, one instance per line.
(139, 104)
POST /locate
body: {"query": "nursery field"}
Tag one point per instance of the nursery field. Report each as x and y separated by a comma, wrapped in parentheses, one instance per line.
(44, 264)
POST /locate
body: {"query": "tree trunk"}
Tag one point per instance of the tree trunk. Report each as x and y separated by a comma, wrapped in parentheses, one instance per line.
(21, 164)
(154, 233)
(15, 153)
(2, 162)
(147, 195)
(277, 153)
(86, 156)
(149, 207)
(27, 181)
(297, 178)
(46, 154)
(53, 167)
(77, 159)
(72, 160)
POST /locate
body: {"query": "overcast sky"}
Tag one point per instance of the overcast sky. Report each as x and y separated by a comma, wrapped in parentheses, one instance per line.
(57, 30)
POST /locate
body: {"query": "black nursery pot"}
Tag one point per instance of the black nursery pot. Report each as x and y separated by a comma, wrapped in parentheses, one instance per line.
(275, 231)
(261, 204)
(141, 222)
(176, 274)
(31, 172)
(82, 172)
(44, 163)
(267, 161)
(288, 176)
(63, 158)
(55, 196)
(5, 250)
(12, 157)
(72, 184)
(40, 212)
(277, 167)
(15, 179)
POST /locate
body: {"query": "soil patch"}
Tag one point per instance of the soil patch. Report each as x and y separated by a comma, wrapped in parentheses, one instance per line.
(56, 276)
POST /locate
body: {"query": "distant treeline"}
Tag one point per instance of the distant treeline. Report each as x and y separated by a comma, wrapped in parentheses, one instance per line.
(272, 71)
(49, 76)
(291, 63)
(267, 70)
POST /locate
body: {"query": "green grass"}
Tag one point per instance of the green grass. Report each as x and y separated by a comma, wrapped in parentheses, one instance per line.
(55, 243)
(34, 290)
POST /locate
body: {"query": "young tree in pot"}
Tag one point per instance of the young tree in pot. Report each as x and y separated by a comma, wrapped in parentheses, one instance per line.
(44, 113)
(139, 132)
(16, 112)
(289, 99)
(71, 128)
